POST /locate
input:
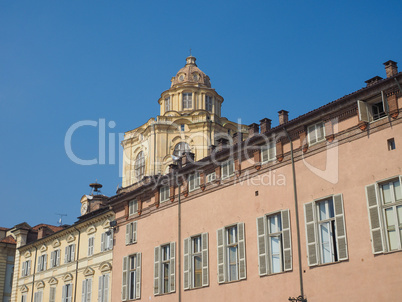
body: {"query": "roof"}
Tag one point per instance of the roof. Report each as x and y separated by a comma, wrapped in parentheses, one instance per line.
(51, 227)
(9, 239)
(4, 229)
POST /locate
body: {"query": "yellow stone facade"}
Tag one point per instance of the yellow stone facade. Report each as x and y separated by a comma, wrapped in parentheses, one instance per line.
(190, 119)
(73, 264)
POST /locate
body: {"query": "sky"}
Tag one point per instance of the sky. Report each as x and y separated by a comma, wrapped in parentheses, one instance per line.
(93, 63)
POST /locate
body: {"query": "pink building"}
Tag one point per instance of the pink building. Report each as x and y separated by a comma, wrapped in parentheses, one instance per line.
(245, 224)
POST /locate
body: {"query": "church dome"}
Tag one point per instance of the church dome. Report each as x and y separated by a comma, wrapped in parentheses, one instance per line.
(191, 74)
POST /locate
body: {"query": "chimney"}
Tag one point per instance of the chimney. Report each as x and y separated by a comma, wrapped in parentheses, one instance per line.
(265, 125)
(283, 117)
(222, 142)
(237, 138)
(373, 81)
(211, 149)
(253, 130)
(391, 68)
(186, 158)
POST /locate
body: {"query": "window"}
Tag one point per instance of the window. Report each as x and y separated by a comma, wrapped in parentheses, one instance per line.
(316, 133)
(325, 230)
(67, 293)
(391, 144)
(274, 243)
(164, 269)
(52, 294)
(103, 288)
(69, 255)
(227, 168)
(133, 207)
(55, 258)
(139, 166)
(182, 127)
(384, 201)
(231, 253)
(187, 100)
(211, 177)
(194, 181)
(372, 110)
(164, 193)
(91, 246)
(26, 268)
(24, 298)
(86, 290)
(167, 104)
(42, 259)
(107, 241)
(268, 152)
(131, 286)
(196, 261)
(181, 148)
(38, 296)
(131, 232)
(208, 103)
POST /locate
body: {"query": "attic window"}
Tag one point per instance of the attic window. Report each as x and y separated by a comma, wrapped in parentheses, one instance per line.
(371, 111)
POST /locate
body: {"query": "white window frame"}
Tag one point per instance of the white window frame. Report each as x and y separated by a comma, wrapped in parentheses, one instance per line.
(194, 181)
(26, 268)
(365, 109)
(91, 244)
(315, 128)
(208, 102)
(133, 207)
(67, 292)
(131, 232)
(164, 193)
(86, 290)
(52, 294)
(165, 265)
(139, 166)
(377, 208)
(167, 104)
(268, 152)
(38, 296)
(190, 256)
(24, 298)
(227, 168)
(103, 288)
(69, 253)
(211, 177)
(187, 102)
(55, 258)
(42, 261)
(314, 231)
(131, 285)
(107, 241)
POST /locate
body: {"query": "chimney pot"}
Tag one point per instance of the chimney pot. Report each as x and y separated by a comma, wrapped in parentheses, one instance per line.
(265, 125)
(253, 129)
(283, 117)
(391, 68)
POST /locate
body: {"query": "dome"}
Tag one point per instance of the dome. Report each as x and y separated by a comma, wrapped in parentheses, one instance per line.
(191, 74)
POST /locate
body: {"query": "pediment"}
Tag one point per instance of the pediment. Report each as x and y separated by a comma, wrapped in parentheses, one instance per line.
(91, 229)
(40, 284)
(56, 243)
(89, 271)
(67, 277)
(105, 267)
(24, 289)
(53, 281)
(27, 254)
(106, 224)
(70, 238)
(43, 248)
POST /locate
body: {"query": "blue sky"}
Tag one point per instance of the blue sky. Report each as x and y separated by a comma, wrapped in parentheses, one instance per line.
(62, 62)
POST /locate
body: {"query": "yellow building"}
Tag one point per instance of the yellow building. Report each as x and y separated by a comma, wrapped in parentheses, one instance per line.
(7, 253)
(190, 120)
(67, 263)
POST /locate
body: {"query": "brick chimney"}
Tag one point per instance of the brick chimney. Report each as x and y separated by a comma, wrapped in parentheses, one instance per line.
(187, 157)
(283, 117)
(265, 125)
(373, 81)
(253, 129)
(391, 68)
(222, 142)
(237, 138)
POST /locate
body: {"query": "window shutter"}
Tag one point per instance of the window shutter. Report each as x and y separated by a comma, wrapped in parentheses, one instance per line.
(29, 268)
(271, 151)
(204, 257)
(262, 246)
(156, 270)
(138, 277)
(45, 262)
(384, 102)
(310, 233)
(64, 294)
(89, 246)
(242, 251)
(58, 256)
(106, 288)
(221, 255)
(363, 111)
(83, 295)
(186, 267)
(23, 271)
(73, 252)
(340, 228)
(89, 290)
(39, 264)
(374, 218)
(135, 232)
(100, 298)
(172, 267)
(124, 279)
(127, 233)
(52, 294)
(69, 292)
(110, 243)
(287, 241)
(52, 255)
(103, 242)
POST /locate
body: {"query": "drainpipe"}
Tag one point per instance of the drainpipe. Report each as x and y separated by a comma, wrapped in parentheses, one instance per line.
(33, 275)
(179, 243)
(297, 214)
(76, 265)
(153, 125)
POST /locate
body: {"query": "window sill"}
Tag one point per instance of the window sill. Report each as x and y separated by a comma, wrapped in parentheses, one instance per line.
(326, 264)
(316, 143)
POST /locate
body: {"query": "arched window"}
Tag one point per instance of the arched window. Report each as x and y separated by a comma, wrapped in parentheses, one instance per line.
(180, 148)
(139, 166)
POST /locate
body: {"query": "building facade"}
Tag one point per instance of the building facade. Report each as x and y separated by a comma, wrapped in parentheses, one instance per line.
(67, 263)
(310, 208)
(7, 254)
